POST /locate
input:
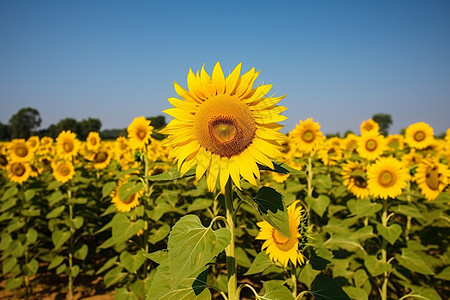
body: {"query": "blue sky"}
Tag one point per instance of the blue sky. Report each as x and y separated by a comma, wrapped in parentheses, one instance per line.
(339, 62)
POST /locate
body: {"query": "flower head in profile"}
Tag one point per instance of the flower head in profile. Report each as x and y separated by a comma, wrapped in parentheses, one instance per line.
(387, 177)
(432, 177)
(139, 132)
(355, 178)
(224, 126)
(67, 144)
(280, 248)
(419, 135)
(125, 204)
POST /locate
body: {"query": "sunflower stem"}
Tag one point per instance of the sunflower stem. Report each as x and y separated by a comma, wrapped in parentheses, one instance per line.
(408, 218)
(229, 250)
(309, 177)
(294, 282)
(384, 219)
(72, 232)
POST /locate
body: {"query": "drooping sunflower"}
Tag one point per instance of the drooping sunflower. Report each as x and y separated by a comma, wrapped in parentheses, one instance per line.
(101, 158)
(354, 175)
(280, 248)
(330, 151)
(387, 178)
(224, 126)
(93, 141)
(18, 171)
(67, 144)
(350, 143)
(371, 145)
(139, 132)
(63, 170)
(419, 135)
(125, 205)
(20, 151)
(432, 177)
(369, 125)
(307, 135)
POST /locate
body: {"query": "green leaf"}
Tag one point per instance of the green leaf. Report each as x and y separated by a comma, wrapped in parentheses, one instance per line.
(159, 234)
(56, 212)
(132, 262)
(9, 193)
(199, 204)
(75, 271)
(82, 252)
(129, 189)
(11, 202)
(408, 210)
(281, 168)
(31, 268)
(124, 294)
(445, 274)
(317, 262)
(191, 246)
(108, 264)
(170, 175)
(59, 237)
(5, 241)
(200, 283)
(114, 276)
(271, 207)
(13, 283)
(122, 229)
(158, 256)
(356, 293)
(375, 266)
(275, 289)
(56, 261)
(31, 236)
(108, 188)
(9, 264)
(326, 288)
(360, 277)
(413, 262)
(390, 233)
(261, 262)
(29, 194)
(322, 181)
(308, 274)
(61, 269)
(319, 205)
(78, 222)
(363, 207)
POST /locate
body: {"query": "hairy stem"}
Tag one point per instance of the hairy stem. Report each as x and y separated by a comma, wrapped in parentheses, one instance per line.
(231, 260)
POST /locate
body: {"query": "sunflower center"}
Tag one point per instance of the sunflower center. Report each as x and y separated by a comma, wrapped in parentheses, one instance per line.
(360, 182)
(68, 146)
(283, 243)
(432, 178)
(419, 136)
(129, 200)
(371, 145)
(64, 170)
(308, 136)
(368, 126)
(18, 170)
(22, 151)
(141, 133)
(93, 141)
(224, 125)
(3, 160)
(100, 157)
(386, 178)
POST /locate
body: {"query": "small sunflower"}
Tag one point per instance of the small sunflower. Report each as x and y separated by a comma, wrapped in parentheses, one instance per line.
(369, 126)
(139, 132)
(33, 142)
(432, 177)
(224, 126)
(395, 142)
(330, 151)
(411, 159)
(350, 144)
(93, 141)
(20, 151)
(125, 205)
(371, 145)
(3, 160)
(355, 178)
(387, 178)
(307, 136)
(280, 248)
(63, 170)
(67, 144)
(18, 171)
(419, 135)
(101, 158)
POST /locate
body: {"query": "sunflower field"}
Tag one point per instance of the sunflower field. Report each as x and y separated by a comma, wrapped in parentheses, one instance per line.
(228, 207)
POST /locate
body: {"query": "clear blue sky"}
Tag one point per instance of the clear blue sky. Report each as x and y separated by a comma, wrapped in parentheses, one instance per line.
(339, 62)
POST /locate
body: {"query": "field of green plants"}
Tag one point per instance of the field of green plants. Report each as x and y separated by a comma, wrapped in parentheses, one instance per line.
(296, 216)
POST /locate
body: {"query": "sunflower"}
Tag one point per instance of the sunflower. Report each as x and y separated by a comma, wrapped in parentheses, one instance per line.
(355, 178)
(93, 141)
(371, 145)
(419, 135)
(18, 171)
(125, 205)
(387, 178)
(224, 126)
(139, 132)
(101, 158)
(20, 151)
(368, 126)
(350, 143)
(307, 135)
(67, 145)
(432, 177)
(395, 142)
(330, 151)
(411, 159)
(63, 170)
(280, 248)
(33, 142)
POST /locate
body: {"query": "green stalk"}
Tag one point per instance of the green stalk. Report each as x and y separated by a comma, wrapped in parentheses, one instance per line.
(72, 232)
(309, 177)
(384, 219)
(294, 282)
(408, 218)
(229, 250)
(147, 196)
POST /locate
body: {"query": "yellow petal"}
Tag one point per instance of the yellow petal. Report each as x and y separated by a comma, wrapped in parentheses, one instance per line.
(179, 114)
(203, 163)
(245, 168)
(260, 157)
(218, 79)
(244, 82)
(233, 166)
(232, 79)
(266, 102)
(194, 85)
(258, 93)
(270, 149)
(269, 134)
(213, 172)
(185, 94)
(184, 105)
(208, 86)
(224, 173)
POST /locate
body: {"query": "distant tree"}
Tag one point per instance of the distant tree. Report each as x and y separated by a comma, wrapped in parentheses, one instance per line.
(88, 125)
(384, 121)
(23, 123)
(348, 132)
(68, 124)
(4, 132)
(158, 122)
(112, 134)
(330, 135)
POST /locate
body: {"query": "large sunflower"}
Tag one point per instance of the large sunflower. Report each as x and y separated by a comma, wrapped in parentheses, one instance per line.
(63, 170)
(139, 132)
(67, 144)
(371, 145)
(387, 178)
(18, 171)
(280, 248)
(419, 135)
(307, 135)
(432, 177)
(20, 151)
(355, 178)
(224, 126)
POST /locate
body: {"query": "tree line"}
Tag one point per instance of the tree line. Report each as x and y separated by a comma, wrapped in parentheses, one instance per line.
(26, 121)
